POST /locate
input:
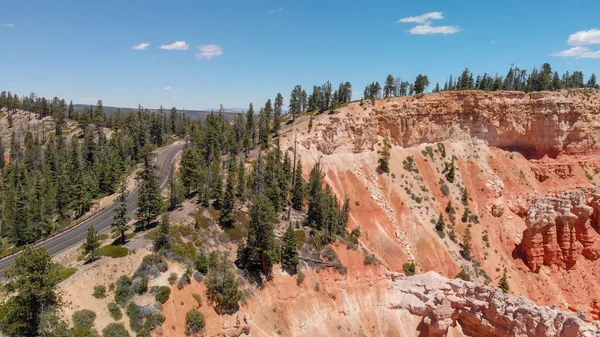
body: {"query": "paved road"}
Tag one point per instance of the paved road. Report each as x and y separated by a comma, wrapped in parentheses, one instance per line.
(103, 219)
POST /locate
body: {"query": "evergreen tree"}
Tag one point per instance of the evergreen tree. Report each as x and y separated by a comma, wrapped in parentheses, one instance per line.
(389, 87)
(384, 157)
(120, 222)
(421, 83)
(298, 189)
(92, 243)
(149, 197)
(241, 182)
(466, 246)
(289, 251)
(222, 284)
(503, 283)
(277, 110)
(227, 217)
(257, 254)
(80, 196)
(440, 224)
(33, 279)
(175, 191)
(161, 241)
(344, 217)
(71, 112)
(250, 140)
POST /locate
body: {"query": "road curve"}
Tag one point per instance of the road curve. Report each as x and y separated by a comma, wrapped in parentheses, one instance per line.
(104, 218)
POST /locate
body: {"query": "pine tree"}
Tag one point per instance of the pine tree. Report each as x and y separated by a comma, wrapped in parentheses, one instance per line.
(120, 222)
(344, 217)
(503, 283)
(149, 197)
(71, 112)
(440, 224)
(33, 279)
(257, 255)
(227, 217)
(175, 191)
(384, 157)
(241, 182)
(80, 196)
(316, 202)
(92, 243)
(222, 284)
(277, 110)
(250, 128)
(466, 246)
(289, 251)
(298, 188)
(161, 242)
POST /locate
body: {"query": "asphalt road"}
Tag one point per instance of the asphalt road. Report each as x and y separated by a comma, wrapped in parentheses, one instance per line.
(104, 218)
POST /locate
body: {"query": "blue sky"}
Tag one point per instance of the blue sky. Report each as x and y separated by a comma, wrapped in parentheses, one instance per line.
(238, 51)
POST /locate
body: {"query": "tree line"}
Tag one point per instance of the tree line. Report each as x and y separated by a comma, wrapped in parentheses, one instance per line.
(49, 180)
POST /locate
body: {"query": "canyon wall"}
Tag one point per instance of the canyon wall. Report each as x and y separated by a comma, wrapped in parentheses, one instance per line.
(535, 124)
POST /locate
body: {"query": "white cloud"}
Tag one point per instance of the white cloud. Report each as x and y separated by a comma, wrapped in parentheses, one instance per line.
(276, 10)
(579, 52)
(427, 29)
(141, 46)
(584, 38)
(177, 45)
(209, 51)
(423, 18)
(424, 26)
(8, 25)
(168, 87)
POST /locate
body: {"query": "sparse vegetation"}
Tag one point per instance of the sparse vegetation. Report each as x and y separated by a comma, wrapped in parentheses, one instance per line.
(113, 251)
(300, 278)
(198, 299)
(463, 275)
(384, 157)
(99, 291)
(409, 268)
(114, 311)
(503, 283)
(115, 330)
(65, 273)
(162, 294)
(194, 322)
(410, 165)
(442, 149)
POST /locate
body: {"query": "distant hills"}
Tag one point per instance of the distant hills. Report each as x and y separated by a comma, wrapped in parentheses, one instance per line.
(194, 114)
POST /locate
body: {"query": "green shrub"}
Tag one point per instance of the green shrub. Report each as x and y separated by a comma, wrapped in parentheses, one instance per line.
(194, 322)
(410, 165)
(100, 291)
(409, 269)
(113, 251)
(140, 285)
(172, 278)
(163, 294)
(198, 299)
(463, 275)
(370, 259)
(65, 273)
(124, 291)
(150, 265)
(114, 311)
(115, 330)
(445, 190)
(442, 149)
(201, 262)
(84, 318)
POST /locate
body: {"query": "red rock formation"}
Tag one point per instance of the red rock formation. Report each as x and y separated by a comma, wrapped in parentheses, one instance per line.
(560, 228)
